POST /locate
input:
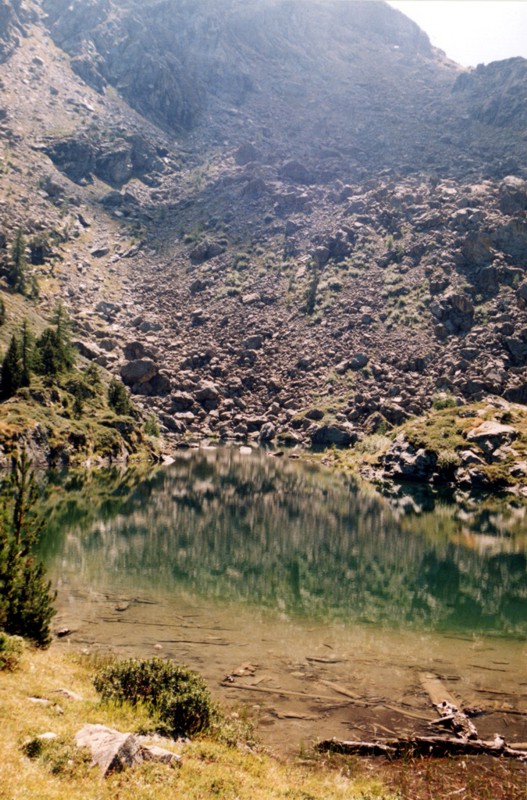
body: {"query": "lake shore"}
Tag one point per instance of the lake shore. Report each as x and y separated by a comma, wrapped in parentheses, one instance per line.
(208, 768)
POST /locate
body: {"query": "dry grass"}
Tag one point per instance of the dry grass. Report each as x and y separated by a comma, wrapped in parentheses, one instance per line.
(209, 769)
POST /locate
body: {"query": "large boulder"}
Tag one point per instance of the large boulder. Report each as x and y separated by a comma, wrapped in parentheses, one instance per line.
(522, 291)
(135, 350)
(491, 435)
(181, 401)
(113, 751)
(87, 349)
(138, 372)
(207, 395)
(205, 250)
(404, 462)
(296, 172)
(513, 195)
(339, 435)
(246, 153)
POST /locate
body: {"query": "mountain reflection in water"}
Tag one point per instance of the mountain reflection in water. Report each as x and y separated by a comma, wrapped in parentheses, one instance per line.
(291, 537)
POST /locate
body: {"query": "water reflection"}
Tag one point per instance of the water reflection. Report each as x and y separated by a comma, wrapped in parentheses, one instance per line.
(294, 538)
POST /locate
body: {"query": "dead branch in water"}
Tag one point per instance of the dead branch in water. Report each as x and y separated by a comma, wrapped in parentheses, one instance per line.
(434, 746)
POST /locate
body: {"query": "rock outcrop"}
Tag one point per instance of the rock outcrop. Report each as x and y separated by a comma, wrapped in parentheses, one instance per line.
(113, 751)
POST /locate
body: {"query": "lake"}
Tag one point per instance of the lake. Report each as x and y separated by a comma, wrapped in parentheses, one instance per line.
(312, 604)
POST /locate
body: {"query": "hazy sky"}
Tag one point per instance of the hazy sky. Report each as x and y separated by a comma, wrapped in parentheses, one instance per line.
(471, 32)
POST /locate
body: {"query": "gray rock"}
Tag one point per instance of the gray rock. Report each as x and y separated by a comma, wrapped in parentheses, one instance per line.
(339, 435)
(522, 291)
(359, 361)
(518, 350)
(267, 432)
(75, 157)
(203, 251)
(160, 384)
(513, 195)
(255, 188)
(113, 751)
(304, 363)
(468, 457)
(107, 309)
(252, 342)
(138, 372)
(134, 350)
(99, 252)
(404, 462)
(295, 171)
(460, 301)
(250, 298)
(181, 401)
(197, 286)
(108, 344)
(198, 317)
(315, 414)
(172, 424)
(89, 351)
(147, 326)
(207, 391)
(512, 238)
(490, 436)
(246, 153)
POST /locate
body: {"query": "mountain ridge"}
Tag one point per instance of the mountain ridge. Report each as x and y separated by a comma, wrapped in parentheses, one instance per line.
(326, 233)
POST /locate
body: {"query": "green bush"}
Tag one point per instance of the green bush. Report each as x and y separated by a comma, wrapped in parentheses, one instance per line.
(448, 461)
(11, 648)
(151, 427)
(118, 397)
(443, 400)
(174, 696)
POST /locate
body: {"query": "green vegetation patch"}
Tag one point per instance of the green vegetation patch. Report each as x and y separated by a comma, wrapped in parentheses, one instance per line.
(175, 697)
(11, 649)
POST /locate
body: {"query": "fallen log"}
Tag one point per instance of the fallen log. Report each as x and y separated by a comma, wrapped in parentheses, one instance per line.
(450, 715)
(433, 746)
(436, 690)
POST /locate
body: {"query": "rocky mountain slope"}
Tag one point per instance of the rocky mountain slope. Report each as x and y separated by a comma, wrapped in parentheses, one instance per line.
(292, 220)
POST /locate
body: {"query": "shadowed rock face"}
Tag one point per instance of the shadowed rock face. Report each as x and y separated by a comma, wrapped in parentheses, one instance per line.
(12, 18)
(179, 62)
(356, 77)
(496, 93)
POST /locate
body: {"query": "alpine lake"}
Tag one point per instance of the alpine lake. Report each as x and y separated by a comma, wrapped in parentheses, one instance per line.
(311, 605)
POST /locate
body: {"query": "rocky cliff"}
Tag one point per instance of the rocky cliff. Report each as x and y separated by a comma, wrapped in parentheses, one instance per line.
(290, 220)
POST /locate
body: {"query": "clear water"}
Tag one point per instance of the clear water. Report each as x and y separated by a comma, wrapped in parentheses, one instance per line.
(224, 559)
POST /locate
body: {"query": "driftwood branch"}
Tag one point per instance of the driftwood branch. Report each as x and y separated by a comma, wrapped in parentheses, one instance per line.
(450, 715)
(434, 746)
(465, 741)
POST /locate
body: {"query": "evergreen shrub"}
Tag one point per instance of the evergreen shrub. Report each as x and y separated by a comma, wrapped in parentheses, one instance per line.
(176, 698)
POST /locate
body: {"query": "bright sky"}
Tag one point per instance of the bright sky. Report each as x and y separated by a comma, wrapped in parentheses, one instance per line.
(471, 32)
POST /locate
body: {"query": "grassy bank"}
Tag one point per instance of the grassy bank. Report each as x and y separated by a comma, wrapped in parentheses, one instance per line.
(209, 768)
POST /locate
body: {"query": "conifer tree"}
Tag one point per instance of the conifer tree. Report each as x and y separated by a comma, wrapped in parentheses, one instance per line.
(17, 274)
(27, 353)
(11, 372)
(54, 351)
(26, 599)
(118, 398)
